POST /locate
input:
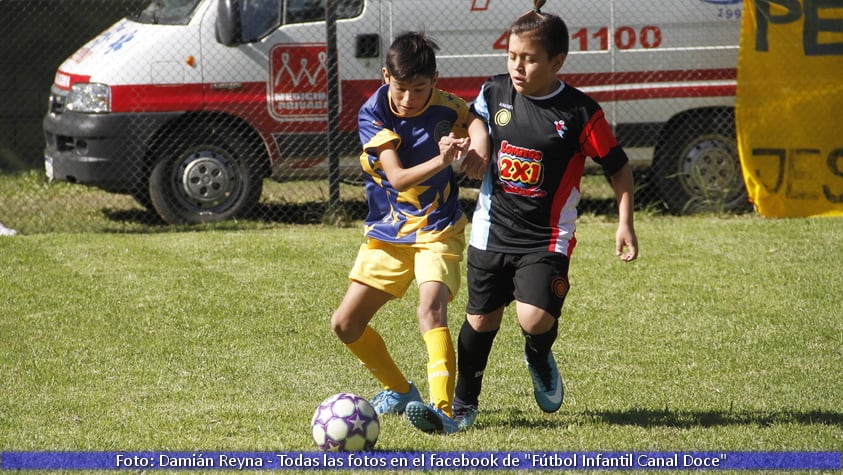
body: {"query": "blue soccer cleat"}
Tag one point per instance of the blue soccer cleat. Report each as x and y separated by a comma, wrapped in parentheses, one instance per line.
(465, 415)
(392, 402)
(430, 419)
(548, 388)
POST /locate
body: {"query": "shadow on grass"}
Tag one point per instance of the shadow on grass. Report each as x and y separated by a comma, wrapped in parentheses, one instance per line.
(312, 213)
(346, 212)
(275, 213)
(650, 418)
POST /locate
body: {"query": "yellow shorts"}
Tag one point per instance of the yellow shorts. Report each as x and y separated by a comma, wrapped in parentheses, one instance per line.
(392, 267)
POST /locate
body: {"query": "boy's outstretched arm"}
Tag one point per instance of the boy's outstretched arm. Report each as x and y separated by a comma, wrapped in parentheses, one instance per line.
(475, 161)
(403, 179)
(625, 237)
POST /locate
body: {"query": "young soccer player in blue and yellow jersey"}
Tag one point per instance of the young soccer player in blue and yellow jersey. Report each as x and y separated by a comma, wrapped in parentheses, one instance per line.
(411, 133)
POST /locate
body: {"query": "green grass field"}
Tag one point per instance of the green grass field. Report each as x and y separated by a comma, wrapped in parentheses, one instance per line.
(725, 335)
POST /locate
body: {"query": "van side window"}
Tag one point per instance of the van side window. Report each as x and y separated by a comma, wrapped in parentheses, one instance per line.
(259, 18)
(302, 11)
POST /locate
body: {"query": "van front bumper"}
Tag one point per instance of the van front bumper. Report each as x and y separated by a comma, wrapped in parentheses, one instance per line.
(108, 151)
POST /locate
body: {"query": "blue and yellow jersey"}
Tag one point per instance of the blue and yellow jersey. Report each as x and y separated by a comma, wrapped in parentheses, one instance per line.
(430, 211)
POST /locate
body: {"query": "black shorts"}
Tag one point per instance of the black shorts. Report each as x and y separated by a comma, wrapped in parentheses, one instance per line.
(496, 279)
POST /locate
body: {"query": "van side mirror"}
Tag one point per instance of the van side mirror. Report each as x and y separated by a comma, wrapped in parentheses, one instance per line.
(228, 26)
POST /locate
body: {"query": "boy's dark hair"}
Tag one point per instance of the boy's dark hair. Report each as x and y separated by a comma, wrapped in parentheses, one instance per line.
(411, 55)
(547, 29)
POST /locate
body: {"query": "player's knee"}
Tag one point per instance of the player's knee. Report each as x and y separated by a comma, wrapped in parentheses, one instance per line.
(485, 323)
(336, 324)
(536, 323)
(345, 328)
(432, 316)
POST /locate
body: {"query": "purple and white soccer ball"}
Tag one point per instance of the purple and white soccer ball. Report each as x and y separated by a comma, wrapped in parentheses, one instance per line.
(345, 422)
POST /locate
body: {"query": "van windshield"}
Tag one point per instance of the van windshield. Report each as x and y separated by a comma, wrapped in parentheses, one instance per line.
(167, 12)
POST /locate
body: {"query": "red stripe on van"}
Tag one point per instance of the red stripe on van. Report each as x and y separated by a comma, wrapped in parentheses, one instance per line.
(673, 92)
(156, 98)
(648, 77)
(649, 84)
(249, 99)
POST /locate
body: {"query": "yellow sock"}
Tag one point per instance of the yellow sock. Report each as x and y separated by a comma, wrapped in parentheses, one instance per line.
(441, 367)
(371, 350)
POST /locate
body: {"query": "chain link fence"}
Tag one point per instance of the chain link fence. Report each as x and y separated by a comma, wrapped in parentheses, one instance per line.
(119, 114)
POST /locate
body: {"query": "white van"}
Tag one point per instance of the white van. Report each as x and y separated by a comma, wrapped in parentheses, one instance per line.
(190, 104)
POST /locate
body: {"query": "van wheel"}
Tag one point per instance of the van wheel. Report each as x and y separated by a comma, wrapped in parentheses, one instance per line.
(203, 181)
(697, 168)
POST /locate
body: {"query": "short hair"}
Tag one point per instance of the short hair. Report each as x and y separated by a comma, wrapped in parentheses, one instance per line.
(411, 55)
(549, 30)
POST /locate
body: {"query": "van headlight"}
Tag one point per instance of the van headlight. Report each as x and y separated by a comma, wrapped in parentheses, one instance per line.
(88, 97)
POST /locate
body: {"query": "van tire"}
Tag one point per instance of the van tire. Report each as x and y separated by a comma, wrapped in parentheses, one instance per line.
(203, 178)
(697, 167)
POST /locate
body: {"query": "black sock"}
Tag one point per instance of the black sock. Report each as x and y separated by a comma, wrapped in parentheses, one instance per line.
(536, 347)
(473, 350)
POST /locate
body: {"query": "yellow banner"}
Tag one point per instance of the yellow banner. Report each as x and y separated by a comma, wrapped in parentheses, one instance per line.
(789, 106)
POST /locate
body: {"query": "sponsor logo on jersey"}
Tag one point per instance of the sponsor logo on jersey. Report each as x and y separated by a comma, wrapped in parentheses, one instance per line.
(521, 170)
(502, 117)
(561, 127)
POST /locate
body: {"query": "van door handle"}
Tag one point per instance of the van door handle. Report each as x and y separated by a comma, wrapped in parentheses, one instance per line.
(226, 86)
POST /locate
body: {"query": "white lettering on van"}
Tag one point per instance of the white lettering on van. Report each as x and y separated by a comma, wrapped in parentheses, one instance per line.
(303, 71)
(298, 81)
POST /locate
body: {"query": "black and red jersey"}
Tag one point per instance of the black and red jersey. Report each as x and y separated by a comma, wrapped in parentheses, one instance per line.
(529, 196)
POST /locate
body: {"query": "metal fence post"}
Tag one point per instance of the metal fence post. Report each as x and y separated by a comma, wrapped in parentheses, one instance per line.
(333, 105)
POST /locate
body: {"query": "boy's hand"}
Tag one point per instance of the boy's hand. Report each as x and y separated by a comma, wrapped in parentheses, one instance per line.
(452, 148)
(625, 238)
(473, 165)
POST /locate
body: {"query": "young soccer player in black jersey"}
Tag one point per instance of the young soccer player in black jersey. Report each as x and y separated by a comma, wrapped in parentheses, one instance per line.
(541, 131)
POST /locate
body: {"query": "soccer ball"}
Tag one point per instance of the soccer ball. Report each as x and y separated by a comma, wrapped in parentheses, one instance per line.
(345, 422)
